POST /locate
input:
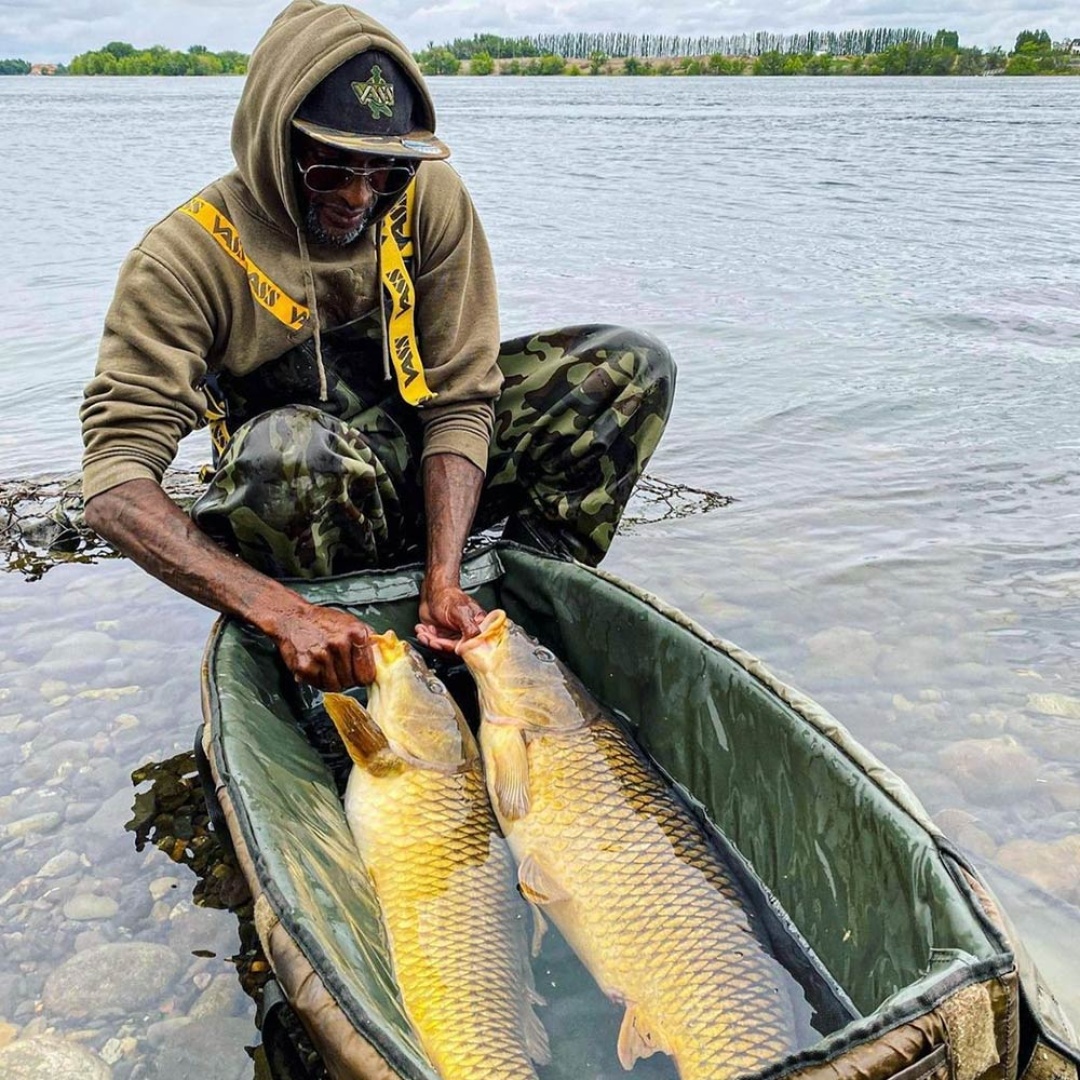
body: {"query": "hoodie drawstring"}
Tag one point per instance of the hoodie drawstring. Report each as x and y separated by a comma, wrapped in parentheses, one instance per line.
(309, 285)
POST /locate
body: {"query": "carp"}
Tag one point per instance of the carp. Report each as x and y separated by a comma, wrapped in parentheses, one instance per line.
(607, 851)
(419, 814)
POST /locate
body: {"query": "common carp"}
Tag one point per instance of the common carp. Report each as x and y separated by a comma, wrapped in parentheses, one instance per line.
(607, 850)
(419, 813)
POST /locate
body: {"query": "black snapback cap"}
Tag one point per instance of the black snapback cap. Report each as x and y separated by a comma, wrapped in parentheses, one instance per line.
(369, 105)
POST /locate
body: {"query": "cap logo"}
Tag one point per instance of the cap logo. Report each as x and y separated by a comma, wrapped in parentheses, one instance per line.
(376, 94)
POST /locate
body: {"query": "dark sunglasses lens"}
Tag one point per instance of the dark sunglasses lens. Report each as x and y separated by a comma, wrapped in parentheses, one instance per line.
(389, 181)
(327, 177)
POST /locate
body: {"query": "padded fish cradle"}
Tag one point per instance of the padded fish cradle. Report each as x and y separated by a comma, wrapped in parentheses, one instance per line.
(923, 978)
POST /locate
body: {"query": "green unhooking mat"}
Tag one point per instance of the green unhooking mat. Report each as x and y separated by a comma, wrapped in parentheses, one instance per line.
(902, 952)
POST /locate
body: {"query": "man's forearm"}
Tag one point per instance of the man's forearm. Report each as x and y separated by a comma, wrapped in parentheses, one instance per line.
(451, 495)
(324, 646)
(144, 524)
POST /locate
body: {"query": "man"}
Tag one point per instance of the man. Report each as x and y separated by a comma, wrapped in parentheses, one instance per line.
(329, 307)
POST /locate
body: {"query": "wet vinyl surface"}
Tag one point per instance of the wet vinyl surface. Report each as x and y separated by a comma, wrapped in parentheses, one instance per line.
(872, 295)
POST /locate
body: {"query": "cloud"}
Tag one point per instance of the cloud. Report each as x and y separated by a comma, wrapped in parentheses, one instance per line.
(58, 29)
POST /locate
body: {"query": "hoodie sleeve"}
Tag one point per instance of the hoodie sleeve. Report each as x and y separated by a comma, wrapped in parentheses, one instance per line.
(457, 318)
(143, 398)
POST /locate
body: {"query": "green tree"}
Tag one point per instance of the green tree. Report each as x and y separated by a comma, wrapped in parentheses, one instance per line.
(550, 64)
(481, 64)
(719, 64)
(947, 39)
(970, 62)
(119, 49)
(438, 61)
(769, 63)
(819, 64)
(197, 50)
(597, 59)
(1033, 41)
(14, 67)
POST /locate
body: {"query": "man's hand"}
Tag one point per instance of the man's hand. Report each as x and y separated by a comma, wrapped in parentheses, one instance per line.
(447, 615)
(325, 647)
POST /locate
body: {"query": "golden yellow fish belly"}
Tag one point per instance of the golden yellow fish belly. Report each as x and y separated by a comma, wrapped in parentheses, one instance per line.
(455, 924)
(627, 875)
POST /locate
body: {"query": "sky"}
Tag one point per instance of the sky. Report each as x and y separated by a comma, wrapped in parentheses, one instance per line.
(56, 30)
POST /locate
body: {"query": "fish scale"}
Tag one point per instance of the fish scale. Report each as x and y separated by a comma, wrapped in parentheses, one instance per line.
(653, 905)
(445, 886)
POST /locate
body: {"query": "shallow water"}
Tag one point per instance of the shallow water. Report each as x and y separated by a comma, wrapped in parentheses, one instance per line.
(872, 288)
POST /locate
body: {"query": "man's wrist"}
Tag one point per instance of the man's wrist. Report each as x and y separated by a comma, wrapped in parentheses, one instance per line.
(443, 576)
(277, 607)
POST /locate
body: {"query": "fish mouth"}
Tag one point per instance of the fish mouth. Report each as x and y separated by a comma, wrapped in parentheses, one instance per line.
(387, 649)
(493, 631)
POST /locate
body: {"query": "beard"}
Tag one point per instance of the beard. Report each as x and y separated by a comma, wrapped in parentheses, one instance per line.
(321, 235)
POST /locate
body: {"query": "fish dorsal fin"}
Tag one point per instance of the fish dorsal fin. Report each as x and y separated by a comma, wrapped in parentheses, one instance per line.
(362, 736)
(537, 885)
(639, 1037)
(507, 761)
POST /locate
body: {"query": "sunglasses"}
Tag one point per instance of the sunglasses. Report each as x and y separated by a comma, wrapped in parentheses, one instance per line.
(382, 179)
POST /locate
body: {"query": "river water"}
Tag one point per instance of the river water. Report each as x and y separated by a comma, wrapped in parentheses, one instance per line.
(872, 289)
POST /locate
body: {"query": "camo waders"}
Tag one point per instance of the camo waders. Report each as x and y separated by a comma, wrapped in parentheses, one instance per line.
(308, 489)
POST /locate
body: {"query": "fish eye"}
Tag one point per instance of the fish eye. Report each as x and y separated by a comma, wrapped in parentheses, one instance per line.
(546, 655)
(436, 687)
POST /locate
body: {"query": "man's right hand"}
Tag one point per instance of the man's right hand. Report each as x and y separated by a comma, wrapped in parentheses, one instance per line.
(325, 646)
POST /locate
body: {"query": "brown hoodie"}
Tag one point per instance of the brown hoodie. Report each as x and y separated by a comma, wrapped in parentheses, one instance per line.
(182, 307)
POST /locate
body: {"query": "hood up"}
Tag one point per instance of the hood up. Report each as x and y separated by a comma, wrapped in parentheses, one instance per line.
(307, 41)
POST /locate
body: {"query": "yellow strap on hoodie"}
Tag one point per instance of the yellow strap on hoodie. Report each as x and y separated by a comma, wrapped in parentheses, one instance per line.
(273, 298)
(395, 245)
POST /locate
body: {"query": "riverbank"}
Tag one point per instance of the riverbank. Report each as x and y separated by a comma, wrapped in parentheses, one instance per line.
(773, 64)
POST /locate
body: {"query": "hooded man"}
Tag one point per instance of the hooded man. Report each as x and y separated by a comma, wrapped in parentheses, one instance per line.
(329, 309)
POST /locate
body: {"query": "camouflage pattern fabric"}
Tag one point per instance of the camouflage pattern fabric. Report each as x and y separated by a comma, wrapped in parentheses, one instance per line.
(306, 491)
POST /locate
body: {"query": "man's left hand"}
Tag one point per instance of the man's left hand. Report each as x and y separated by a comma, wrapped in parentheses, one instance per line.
(447, 615)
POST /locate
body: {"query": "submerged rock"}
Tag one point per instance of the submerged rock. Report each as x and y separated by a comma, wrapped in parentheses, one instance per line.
(199, 1049)
(89, 907)
(1055, 705)
(50, 1059)
(1053, 866)
(110, 979)
(991, 771)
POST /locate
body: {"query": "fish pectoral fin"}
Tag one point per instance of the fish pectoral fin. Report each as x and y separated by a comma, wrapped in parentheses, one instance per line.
(362, 736)
(537, 885)
(508, 770)
(539, 929)
(639, 1037)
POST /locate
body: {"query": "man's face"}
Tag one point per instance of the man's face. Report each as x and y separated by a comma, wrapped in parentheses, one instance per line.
(338, 217)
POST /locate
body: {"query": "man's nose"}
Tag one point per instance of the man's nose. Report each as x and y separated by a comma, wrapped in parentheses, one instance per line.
(359, 193)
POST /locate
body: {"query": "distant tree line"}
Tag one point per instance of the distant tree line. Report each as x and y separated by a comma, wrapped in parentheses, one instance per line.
(880, 51)
(581, 46)
(856, 52)
(122, 58)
